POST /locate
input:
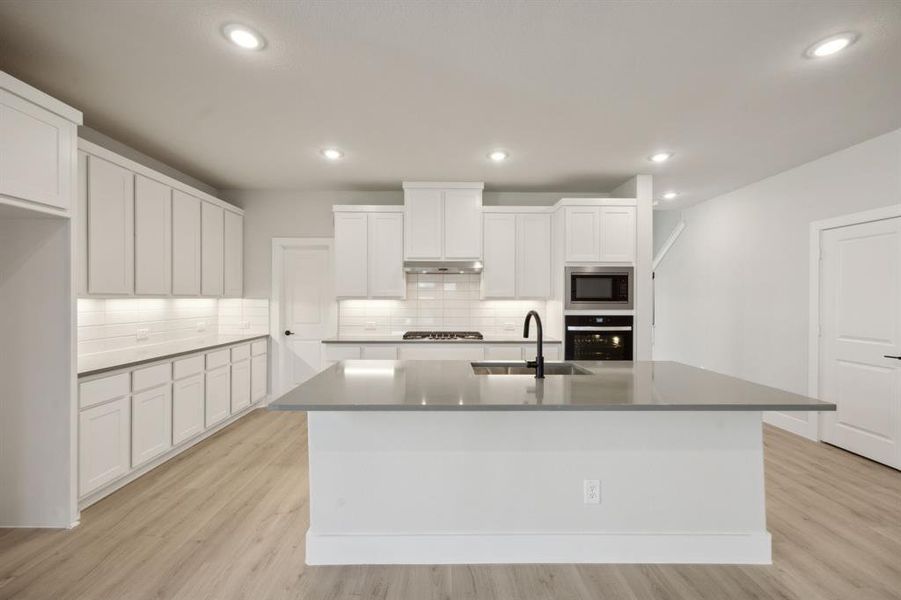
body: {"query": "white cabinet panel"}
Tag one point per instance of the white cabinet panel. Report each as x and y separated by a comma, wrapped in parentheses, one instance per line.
(185, 244)
(187, 408)
(212, 238)
(218, 395)
(104, 434)
(234, 254)
(100, 390)
(240, 392)
(110, 228)
(533, 256)
(153, 237)
(258, 377)
(351, 247)
(442, 352)
(386, 255)
(149, 377)
(617, 235)
(503, 352)
(36, 149)
(380, 352)
(582, 229)
(186, 367)
(81, 226)
(423, 224)
(499, 273)
(151, 424)
(463, 224)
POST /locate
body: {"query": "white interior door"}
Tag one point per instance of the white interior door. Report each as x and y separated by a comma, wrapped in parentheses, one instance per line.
(307, 307)
(860, 308)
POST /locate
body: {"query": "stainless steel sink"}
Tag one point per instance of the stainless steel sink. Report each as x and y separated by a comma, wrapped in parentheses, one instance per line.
(520, 368)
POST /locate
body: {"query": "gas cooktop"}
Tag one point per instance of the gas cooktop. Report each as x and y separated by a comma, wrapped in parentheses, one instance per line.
(442, 335)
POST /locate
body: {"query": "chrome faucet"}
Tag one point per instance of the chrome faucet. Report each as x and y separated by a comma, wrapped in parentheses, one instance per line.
(538, 363)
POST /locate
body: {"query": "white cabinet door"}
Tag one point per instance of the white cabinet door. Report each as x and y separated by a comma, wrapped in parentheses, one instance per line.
(234, 254)
(153, 237)
(218, 395)
(258, 377)
(499, 272)
(423, 224)
(212, 248)
(582, 228)
(533, 256)
(380, 352)
(185, 244)
(187, 408)
(617, 234)
(351, 247)
(463, 224)
(104, 444)
(386, 255)
(36, 149)
(240, 393)
(110, 228)
(151, 424)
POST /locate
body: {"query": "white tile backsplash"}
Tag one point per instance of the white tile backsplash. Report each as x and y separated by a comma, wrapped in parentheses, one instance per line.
(113, 324)
(440, 302)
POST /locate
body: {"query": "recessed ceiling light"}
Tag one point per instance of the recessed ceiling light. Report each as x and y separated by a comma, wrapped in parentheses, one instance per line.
(831, 45)
(498, 156)
(332, 153)
(660, 157)
(670, 196)
(243, 36)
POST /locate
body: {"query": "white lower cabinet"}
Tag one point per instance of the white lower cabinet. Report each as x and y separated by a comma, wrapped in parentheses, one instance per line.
(104, 444)
(240, 392)
(503, 352)
(451, 351)
(258, 378)
(151, 424)
(187, 408)
(218, 395)
(441, 352)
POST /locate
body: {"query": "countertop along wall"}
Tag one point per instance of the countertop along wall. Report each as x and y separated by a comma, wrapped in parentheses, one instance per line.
(732, 293)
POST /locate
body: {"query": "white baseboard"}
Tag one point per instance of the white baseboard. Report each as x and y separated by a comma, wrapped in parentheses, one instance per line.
(637, 548)
(805, 428)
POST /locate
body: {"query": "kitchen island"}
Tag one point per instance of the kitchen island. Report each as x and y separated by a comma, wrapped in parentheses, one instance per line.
(452, 462)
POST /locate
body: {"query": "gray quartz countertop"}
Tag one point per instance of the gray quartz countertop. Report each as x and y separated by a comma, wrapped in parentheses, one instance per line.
(454, 386)
(93, 364)
(398, 339)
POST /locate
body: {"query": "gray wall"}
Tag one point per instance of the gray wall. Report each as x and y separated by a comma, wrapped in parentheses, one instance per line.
(732, 293)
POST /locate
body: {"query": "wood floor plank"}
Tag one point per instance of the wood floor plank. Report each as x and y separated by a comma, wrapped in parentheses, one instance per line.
(227, 519)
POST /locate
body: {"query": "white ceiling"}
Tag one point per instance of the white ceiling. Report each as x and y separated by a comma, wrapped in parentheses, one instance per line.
(579, 93)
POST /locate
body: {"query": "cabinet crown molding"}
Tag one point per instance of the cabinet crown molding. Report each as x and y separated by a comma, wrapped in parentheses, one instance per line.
(445, 185)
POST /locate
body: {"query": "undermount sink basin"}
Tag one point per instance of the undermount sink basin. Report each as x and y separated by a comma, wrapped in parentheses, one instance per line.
(520, 368)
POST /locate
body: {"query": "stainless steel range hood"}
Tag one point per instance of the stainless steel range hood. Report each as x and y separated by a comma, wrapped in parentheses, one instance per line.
(443, 267)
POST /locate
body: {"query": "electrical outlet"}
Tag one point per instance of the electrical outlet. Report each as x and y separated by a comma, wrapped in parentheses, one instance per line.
(508, 326)
(591, 489)
(143, 333)
(370, 325)
(201, 326)
(245, 324)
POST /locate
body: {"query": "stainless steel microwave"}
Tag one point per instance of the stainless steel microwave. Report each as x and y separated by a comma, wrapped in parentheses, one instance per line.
(599, 288)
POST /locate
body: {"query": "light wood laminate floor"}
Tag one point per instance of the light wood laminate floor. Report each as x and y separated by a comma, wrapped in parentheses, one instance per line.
(227, 519)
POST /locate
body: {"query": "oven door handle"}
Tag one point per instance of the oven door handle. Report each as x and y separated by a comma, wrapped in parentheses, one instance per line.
(594, 328)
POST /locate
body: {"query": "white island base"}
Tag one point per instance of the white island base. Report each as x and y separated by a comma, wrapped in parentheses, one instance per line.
(422, 487)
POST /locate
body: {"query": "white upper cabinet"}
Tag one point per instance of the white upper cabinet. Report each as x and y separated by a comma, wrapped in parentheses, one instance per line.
(153, 237)
(386, 255)
(185, 244)
(369, 248)
(423, 224)
(212, 248)
(442, 221)
(234, 254)
(533, 255)
(600, 233)
(110, 222)
(37, 146)
(463, 224)
(499, 272)
(517, 261)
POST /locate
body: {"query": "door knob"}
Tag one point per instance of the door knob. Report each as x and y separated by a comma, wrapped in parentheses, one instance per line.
(889, 356)
(288, 332)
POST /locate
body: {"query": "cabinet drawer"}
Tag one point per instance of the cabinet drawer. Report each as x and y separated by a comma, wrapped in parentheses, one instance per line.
(98, 391)
(258, 348)
(187, 367)
(217, 359)
(336, 352)
(240, 353)
(380, 352)
(144, 379)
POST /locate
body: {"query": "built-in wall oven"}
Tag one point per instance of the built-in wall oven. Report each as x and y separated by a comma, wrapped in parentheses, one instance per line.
(599, 288)
(598, 337)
